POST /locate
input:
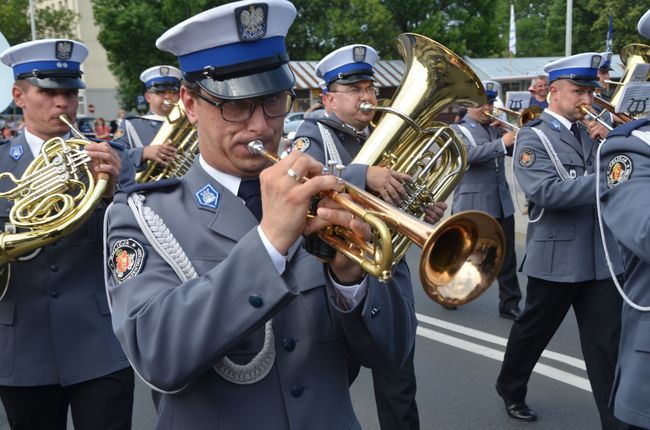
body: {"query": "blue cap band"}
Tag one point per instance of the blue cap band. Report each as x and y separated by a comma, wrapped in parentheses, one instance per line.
(586, 73)
(235, 53)
(162, 80)
(359, 67)
(52, 67)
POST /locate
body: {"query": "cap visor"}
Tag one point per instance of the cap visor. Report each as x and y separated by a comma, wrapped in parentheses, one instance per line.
(255, 85)
(581, 83)
(351, 79)
(57, 83)
(162, 88)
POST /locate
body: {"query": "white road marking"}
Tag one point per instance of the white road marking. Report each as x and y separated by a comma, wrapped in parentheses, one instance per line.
(487, 337)
(542, 369)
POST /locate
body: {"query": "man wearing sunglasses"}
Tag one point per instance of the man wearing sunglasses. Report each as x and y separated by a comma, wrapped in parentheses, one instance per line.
(214, 299)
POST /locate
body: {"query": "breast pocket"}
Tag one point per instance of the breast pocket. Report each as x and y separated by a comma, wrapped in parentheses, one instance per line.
(573, 163)
(551, 245)
(323, 326)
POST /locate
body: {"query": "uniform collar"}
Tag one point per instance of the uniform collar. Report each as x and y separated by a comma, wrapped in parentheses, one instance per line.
(35, 143)
(229, 182)
(565, 122)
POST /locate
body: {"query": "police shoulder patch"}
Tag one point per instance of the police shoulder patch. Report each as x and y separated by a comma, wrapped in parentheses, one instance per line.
(126, 259)
(619, 170)
(301, 144)
(526, 157)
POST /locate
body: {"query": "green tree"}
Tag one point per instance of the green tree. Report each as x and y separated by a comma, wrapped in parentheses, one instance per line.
(128, 30)
(50, 22)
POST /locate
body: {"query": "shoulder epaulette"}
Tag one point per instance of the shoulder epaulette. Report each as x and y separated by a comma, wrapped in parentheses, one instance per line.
(626, 129)
(149, 186)
(533, 122)
(3, 141)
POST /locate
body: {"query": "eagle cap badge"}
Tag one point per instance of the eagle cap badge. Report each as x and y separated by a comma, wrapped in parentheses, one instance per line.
(63, 50)
(251, 21)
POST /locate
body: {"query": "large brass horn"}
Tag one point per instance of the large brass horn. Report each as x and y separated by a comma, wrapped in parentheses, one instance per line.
(56, 194)
(631, 55)
(178, 132)
(463, 255)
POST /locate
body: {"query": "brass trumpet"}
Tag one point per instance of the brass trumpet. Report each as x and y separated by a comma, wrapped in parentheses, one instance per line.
(526, 115)
(56, 194)
(471, 243)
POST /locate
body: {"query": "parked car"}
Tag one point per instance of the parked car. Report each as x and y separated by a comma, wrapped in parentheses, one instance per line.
(86, 125)
(292, 121)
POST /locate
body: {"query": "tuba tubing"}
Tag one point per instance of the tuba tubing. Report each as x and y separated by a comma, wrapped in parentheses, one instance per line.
(178, 132)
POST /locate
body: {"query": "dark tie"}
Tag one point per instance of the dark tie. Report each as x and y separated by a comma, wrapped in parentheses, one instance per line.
(250, 191)
(576, 132)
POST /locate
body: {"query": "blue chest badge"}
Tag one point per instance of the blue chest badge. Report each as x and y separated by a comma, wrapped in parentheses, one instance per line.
(16, 152)
(555, 124)
(208, 197)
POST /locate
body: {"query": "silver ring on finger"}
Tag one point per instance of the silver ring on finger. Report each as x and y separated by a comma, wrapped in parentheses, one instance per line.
(293, 175)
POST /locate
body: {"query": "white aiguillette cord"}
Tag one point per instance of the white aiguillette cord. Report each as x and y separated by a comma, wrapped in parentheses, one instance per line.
(645, 137)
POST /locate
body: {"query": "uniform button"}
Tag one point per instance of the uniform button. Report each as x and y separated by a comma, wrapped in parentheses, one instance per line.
(255, 301)
(550, 236)
(297, 390)
(374, 312)
(589, 162)
(54, 293)
(54, 268)
(288, 344)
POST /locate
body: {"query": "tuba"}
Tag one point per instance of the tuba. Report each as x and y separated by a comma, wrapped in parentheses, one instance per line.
(460, 257)
(178, 132)
(463, 255)
(56, 194)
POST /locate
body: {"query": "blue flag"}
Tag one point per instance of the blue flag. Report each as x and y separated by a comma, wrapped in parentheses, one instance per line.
(610, 35)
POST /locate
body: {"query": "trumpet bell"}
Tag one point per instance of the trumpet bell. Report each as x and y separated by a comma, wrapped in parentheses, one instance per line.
(462, 257)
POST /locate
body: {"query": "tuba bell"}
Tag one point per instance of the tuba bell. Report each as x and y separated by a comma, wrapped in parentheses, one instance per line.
(178, 132)
(56, 194)
(463, 255)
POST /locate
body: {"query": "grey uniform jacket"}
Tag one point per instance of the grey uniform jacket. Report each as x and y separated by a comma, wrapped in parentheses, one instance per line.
(484, 186)
(175, 332)
(625, 192)
(564, 244)
(55, 326)
(146, 129)
(347, 141)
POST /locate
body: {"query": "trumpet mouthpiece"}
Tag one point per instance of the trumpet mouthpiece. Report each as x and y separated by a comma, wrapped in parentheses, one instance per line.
(366, 107)
(256, 147)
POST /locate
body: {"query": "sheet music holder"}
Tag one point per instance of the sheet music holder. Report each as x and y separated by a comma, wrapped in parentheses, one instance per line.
(635, 98)
(517, 100)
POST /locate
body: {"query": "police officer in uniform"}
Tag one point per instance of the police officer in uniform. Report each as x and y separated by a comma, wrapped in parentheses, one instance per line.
(58, 347)
(484, 187)
(136, 133)
(338, 135)
(231, 321)
(624, 181)
(565, 264)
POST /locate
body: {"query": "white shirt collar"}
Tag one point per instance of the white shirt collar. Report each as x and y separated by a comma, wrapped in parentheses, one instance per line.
(35, 143)
(229, 182)
(565, 122)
